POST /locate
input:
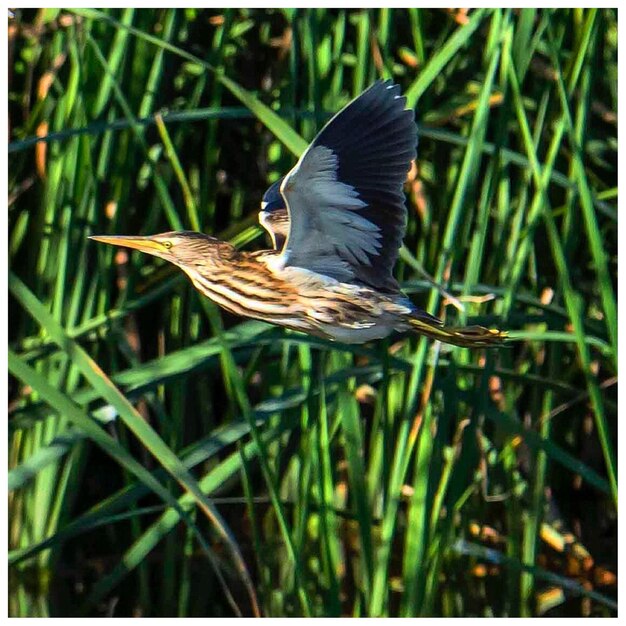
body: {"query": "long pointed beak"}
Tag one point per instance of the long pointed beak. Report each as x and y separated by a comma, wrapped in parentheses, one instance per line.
(143, 244)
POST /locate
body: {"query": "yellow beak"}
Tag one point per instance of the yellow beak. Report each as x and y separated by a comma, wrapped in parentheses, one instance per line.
(143, 244)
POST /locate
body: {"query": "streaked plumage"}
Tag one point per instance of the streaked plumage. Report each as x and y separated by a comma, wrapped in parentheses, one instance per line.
(337, 220)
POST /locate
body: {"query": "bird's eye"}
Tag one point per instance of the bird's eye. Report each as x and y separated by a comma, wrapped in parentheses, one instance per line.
(167, 244)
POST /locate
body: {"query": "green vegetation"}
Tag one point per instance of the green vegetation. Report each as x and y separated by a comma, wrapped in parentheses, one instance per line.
(167, 458)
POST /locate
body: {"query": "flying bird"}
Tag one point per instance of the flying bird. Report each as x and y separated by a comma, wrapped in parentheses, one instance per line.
(337, 221)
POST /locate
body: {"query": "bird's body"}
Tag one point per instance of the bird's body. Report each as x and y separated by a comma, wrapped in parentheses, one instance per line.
(257, 285)
(302, 300)
(336, 220)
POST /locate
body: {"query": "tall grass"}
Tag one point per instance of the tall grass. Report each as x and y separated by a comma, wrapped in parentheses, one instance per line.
(166, 458)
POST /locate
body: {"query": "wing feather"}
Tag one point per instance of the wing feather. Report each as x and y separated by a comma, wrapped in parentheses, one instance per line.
(345, 195)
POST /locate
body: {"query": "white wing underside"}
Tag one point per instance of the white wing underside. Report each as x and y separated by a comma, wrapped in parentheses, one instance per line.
(345, 195)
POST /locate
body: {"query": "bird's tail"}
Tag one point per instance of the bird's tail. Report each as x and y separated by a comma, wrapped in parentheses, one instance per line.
(466, 336)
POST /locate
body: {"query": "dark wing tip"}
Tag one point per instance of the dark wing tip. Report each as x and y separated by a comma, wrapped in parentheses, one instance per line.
(373, 139)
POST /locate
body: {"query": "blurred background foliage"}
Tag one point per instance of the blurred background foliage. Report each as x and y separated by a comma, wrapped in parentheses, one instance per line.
(166, 458)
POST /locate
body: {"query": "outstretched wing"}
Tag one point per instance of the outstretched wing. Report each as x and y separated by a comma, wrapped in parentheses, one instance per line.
(345, 198)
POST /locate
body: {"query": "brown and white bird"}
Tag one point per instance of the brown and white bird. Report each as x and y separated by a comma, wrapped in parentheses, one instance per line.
(337, 221)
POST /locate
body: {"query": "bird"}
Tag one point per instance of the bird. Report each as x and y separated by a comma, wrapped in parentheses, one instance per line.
(337, 220)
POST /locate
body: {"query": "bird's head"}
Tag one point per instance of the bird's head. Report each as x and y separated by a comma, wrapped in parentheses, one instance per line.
(185, 248)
